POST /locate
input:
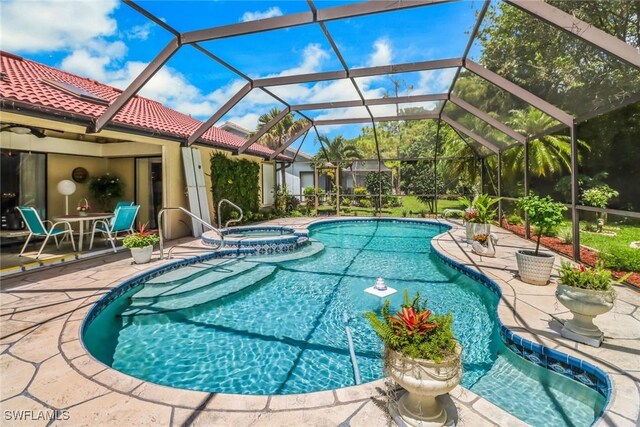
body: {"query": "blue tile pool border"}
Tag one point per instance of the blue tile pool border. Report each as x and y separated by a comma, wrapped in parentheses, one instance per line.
(571, 367)
(548, 358)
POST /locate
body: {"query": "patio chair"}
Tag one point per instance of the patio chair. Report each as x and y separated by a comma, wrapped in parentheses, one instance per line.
(123, 221)
(37, 228)
(121, 204)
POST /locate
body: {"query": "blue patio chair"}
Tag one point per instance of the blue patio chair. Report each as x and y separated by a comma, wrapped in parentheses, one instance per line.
(37, 228)
(121, 204)
(123, 221)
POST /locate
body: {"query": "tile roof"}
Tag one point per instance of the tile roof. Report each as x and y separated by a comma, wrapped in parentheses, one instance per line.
(21, 80)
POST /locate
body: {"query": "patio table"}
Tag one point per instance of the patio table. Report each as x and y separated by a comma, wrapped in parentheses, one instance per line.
(81, 219)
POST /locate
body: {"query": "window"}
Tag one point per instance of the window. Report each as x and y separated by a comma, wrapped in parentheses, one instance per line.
(23, 184)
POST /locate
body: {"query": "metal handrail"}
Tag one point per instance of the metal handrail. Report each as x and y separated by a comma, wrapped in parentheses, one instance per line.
(229, 202)
(195, 217)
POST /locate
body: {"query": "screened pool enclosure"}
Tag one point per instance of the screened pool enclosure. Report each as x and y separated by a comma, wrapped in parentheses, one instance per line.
(480, 115)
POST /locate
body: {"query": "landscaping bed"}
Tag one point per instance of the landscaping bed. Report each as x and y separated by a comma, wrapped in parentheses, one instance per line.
(587, 256)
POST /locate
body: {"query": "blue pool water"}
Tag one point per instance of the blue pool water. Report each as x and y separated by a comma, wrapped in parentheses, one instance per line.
(266, 327)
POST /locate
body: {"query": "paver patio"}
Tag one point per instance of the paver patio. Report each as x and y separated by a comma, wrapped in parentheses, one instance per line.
(45, 367)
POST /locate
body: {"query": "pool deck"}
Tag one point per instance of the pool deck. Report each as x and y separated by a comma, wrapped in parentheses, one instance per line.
(44, 366)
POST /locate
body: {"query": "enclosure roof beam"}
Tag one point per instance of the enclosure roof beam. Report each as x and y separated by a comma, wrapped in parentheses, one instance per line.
(218, 114)
(457, 126)
(519, 92)
(347, 121)
(585, 31)
(291, 140)
(359, 72)
(303, 18)
(137, 84)
(377, 101)
(488, 119)
(264, 129)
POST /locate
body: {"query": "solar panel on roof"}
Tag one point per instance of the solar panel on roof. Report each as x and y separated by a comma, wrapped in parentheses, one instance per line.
(76, 91)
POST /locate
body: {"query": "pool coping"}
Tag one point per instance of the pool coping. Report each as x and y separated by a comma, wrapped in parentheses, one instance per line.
(79, 360)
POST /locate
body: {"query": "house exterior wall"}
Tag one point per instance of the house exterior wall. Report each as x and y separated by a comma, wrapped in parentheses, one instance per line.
(117, 158)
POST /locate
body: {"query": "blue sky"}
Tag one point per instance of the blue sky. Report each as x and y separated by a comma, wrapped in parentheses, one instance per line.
(110, 42)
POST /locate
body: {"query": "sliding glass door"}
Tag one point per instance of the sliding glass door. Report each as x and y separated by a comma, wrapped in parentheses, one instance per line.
(149, 189)
(23, 184)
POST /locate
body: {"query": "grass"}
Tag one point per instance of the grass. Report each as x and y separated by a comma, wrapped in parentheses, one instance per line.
(409, 204)
(615, 249)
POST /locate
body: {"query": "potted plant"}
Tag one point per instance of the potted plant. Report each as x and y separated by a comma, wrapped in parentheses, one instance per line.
(105, 188)
(83, 207)
(422, 355)
(484, 213)
(544, 214)
(587, 293)
(469, 217)
(141, 244)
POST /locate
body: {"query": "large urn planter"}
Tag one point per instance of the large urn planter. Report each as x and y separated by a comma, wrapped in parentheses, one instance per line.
(534, 269)
(142, 255)
(424, 380)
(585, 305)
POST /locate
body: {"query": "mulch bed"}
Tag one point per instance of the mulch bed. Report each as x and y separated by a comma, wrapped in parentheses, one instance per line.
(587, 256)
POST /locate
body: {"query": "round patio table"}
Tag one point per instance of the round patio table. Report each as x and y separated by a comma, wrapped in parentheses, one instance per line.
(81, 219)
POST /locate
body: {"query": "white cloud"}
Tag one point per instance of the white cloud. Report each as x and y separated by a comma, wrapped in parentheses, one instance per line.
(382, 53)
(247, 121)
(47, 26)
(257, 15)
(83, 63)
(140, 32)
(435, 81)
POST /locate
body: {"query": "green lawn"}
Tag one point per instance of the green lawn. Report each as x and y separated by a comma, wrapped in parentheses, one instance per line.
(617, 252)
(410, 205)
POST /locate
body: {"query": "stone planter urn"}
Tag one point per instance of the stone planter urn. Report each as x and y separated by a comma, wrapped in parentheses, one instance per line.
(142, 255)
(424, 380)
(585, 305)
(534, 269)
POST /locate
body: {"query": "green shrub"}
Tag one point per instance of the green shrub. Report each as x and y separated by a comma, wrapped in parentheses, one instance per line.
(404, 213)
(365, 203)
(625, 259)
(565, 234)
(345, 201)
(515, 219)
(237, 180)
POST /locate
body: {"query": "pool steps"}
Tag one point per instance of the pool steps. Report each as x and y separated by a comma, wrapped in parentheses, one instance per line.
(202, 295)
(153, 291)
(159, 295)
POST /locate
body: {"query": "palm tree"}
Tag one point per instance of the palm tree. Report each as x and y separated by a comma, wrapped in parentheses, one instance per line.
(281, 132)
(548, 155)
(340, 152)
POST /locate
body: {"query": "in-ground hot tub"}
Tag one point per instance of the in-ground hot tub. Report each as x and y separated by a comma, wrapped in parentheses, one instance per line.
(264, 239)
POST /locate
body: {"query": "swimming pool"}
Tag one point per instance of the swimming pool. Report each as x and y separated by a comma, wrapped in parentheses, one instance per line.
(274, 325)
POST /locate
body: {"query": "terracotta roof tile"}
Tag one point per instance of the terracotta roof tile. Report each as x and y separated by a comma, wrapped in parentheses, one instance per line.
(22, 81)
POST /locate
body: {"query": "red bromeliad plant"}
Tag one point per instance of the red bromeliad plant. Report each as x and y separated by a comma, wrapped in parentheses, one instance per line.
(412, 322)
(140, 239)
(415, 331)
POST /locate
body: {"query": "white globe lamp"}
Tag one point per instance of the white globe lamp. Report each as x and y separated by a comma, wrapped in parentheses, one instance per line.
(66, 187)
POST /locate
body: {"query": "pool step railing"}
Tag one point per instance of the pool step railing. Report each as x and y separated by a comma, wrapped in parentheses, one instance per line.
(196, 218)
(352, 350)
(229, 202)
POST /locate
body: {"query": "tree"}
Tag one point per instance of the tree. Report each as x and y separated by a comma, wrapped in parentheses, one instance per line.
(558, 66)
(340, 152)
(549, 155)
(281, 132)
